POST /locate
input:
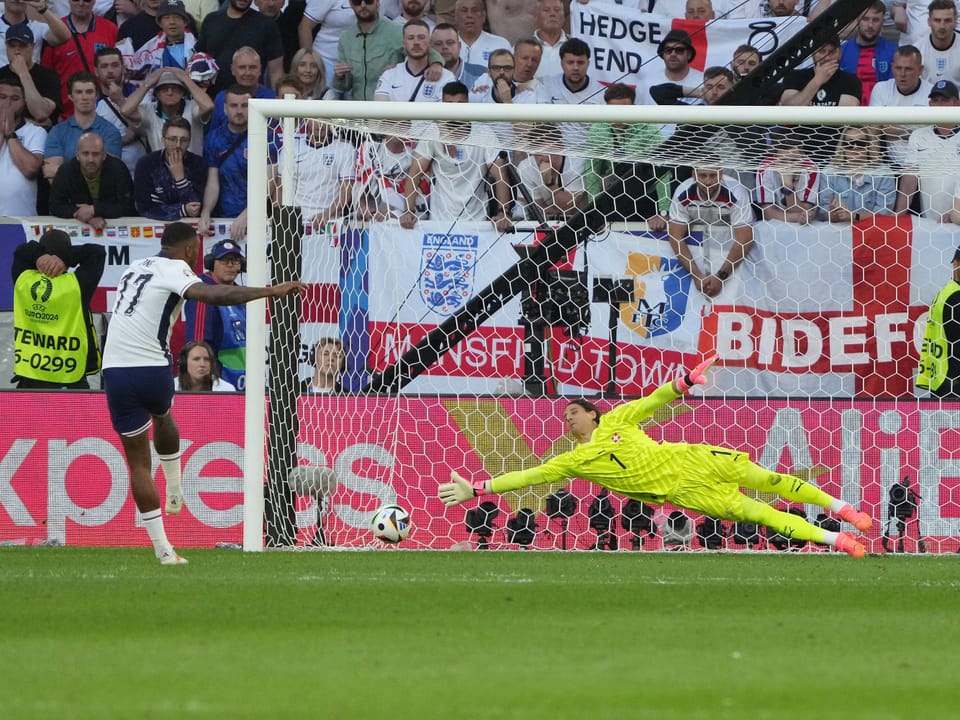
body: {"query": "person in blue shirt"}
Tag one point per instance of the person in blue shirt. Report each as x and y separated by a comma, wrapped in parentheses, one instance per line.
(868, 55)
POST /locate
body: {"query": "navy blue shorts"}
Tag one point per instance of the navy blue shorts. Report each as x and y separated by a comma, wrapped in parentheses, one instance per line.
(134, 394)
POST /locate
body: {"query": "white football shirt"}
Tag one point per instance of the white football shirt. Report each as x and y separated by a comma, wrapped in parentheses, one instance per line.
(457, 175)
(398, 84)
(149, 297)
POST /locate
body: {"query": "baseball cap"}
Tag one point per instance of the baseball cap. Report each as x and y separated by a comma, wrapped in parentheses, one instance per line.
(21, 32)
(172, 7)
(945, 88)
(681, 37)
(224, 248)
(168, 78)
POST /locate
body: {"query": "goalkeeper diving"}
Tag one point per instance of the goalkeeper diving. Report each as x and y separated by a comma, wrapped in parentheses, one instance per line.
(615, 453)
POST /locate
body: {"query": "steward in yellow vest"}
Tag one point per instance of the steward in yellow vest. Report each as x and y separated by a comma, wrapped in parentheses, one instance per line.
(55, 345)
(939, 370)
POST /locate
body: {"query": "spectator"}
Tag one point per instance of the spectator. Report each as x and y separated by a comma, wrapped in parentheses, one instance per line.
(247, 70)
(553, 185)
(325, 170)
(225, 151)
(701, 10)
(510, 19)
(333, 17)
(21, 151)
(573, 87)
(939, 371)
(65, 316)
(476, 44)
(172, 46)
(382, 175)
(788, 184)
(41, 86)
(932, 162)
(62, 140)
(906, 88)
(109, 68)
(364, 55)
(676, 51)
(141, 27)
(446, 41)
(459, 173)
(169, 183)
(198, 370)
(868, 55)
(414, 10)
(92, 187)
(175, 95)
(287, 16)
(309, 69)
(824, 85)
(498, 85)
(527, 54)
(746, 59)
(238, 26)
(223, 327)
(857, 185)
(723, 205)
(49, 28)
(550, 17)
(122, 11)
(329, 362)
(406, 82)
(940, 49)
(912, 18)
(623, 189)
(90, 33)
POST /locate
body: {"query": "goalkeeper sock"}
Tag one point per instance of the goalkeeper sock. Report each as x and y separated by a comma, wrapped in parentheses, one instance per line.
(787, 524)
(786, 486)
(153, 522)
(171, 471)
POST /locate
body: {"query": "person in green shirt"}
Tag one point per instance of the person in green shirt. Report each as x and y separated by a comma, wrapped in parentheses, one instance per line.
(618, 185)
(614, 453)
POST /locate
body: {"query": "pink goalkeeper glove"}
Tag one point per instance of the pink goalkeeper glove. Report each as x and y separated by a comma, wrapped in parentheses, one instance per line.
(697, 376)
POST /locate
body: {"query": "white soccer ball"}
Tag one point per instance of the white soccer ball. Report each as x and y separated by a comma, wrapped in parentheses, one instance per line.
(391, 524)
(312, 481)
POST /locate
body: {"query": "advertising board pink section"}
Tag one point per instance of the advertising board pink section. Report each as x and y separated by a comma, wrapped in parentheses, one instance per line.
(63, 478)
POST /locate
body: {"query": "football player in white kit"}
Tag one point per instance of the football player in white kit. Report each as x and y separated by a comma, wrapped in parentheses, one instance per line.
(137, 372)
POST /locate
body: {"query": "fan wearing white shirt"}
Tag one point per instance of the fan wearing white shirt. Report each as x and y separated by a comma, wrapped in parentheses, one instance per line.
(406, 82)
(549, 17)
(476, 43)
(940, 48)
(906, 88)
(459, 173)
(573, 87)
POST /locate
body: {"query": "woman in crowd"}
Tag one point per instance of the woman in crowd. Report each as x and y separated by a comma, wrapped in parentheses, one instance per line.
(199, 371)
(857, 185)
(308, 67)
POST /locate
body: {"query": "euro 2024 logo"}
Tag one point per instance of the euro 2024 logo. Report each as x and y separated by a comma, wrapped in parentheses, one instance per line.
(447, 271)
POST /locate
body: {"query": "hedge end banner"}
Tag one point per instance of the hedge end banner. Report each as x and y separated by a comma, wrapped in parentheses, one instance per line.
(64, 479)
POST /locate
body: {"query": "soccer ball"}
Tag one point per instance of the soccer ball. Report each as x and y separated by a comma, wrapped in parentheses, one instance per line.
(390, 524)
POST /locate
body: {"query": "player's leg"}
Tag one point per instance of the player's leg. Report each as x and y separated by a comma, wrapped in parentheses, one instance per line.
(166, 441)
(795, 527)
(794, 489)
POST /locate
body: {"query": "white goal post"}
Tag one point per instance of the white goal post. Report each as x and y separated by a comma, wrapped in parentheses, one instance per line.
(747, 372)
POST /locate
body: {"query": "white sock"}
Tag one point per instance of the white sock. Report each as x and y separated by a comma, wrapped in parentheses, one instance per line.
(837, 505)
(830, 538)
(153, 521)
(171, 471)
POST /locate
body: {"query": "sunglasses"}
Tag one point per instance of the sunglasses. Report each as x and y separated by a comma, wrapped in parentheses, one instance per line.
(675, 50)
(501, 68)
(858, 143)
(358, 3)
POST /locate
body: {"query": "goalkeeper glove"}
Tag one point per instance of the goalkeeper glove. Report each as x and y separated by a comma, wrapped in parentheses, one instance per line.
(460, 490)
(697, 375)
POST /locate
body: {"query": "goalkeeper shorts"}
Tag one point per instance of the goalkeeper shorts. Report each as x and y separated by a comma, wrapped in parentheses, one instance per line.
(710, 481)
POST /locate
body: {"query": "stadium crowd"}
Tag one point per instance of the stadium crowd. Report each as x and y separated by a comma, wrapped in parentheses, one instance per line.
(158, 93)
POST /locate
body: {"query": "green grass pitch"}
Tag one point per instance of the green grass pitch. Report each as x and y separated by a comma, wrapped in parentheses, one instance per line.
(108, 633)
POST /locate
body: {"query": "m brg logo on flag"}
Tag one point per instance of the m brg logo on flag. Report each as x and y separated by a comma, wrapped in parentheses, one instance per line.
(661, 294)
(447, 270)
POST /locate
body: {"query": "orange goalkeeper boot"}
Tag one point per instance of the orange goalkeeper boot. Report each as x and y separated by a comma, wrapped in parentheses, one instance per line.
(860, 520)
(848, 543)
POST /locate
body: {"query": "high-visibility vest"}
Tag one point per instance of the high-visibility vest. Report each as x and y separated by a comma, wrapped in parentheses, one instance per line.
(50, 330)
(935, 351)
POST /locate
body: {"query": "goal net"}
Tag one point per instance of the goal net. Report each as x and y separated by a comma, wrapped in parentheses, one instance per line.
(473, 267)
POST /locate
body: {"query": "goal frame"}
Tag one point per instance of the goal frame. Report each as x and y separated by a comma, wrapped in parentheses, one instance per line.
(261, 111)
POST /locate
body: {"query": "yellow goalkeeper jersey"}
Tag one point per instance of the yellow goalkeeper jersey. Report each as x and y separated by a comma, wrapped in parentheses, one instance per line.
(619, 456)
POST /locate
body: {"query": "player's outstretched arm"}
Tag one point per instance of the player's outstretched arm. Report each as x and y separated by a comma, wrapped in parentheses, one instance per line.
(240, 294)
(696, 376)
(459, 489)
